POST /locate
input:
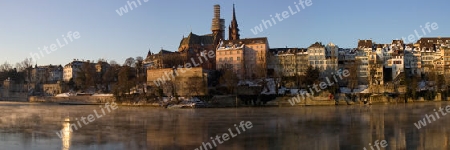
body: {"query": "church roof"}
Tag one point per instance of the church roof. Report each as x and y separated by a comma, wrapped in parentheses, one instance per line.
(259, 40)
(197, 39)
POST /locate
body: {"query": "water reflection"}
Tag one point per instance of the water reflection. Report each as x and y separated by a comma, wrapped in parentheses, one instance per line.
(25, 126)
(66, 134)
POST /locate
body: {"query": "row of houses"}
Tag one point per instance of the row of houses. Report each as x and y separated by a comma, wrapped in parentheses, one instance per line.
(375, 63)
(58, 73)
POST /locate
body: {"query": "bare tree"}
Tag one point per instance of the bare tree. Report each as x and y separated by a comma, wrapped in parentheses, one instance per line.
(86, 76)
(113, 63)
(5, 67)
(229, 79)
(195, 85)
(312, 75)
(27, 64)
(141, 74)
(130, 62)
(173, 59)
(260, 72)
(110, 76)
(352, 79)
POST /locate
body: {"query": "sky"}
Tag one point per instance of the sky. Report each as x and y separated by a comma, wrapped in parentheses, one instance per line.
(28, 26)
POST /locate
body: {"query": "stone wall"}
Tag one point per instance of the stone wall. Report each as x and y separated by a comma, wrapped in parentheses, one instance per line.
(185, 82)
(7, 95)
(309, 101)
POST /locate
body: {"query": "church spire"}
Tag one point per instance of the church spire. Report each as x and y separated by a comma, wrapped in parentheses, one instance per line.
(234, 14)
(233, 30)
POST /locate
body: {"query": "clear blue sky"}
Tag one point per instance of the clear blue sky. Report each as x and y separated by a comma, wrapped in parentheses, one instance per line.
(29, 24)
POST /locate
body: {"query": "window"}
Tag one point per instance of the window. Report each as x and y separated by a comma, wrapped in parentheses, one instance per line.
(220, 59)
(238, 52)
(231, 58)
(231, 52)
(238, 58)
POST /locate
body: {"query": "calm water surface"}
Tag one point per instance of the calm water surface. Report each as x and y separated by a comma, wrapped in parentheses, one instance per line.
(26, 126)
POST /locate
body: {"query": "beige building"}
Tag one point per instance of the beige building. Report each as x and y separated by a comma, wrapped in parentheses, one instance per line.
(246, 57)
(413, 63)
(429, 48)
(289, 62)
(365, 48)
(231, 58)
(179, 81)
(376, 66)
(445, 52)
(325, 58)
(51, 89)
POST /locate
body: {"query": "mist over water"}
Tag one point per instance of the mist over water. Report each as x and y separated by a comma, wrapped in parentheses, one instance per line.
(34, 126)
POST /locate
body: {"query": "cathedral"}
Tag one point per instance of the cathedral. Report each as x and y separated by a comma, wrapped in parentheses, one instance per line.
(196, 46)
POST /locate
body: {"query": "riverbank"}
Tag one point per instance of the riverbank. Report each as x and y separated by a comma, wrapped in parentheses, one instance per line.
(225, 101)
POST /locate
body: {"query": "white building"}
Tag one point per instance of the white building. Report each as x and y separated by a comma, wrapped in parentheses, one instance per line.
(46, 74)
(325, 58)
(71, 70)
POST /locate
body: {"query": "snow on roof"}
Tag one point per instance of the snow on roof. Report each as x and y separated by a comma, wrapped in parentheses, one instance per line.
(63, 95)
(360, 89)
(270, 86)
(103, 95)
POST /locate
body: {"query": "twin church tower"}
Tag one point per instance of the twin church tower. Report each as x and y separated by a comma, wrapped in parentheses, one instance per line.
(218, 26)
(208, 41)
(193, 45)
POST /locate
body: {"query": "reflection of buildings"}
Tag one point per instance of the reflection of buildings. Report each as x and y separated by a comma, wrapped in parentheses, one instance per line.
(273, 128)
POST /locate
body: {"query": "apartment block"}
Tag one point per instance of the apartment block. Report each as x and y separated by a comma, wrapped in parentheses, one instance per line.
(246, 57)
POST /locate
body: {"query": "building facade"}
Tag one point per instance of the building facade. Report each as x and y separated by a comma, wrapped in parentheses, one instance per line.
(252, 53)
(46, 74)
(71, 69)
(289, 62)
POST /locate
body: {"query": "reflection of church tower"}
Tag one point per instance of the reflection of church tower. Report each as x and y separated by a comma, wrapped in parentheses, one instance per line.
(233, 30)
(218, 26)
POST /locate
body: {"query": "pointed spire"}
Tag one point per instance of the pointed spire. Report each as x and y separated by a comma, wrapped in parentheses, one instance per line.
(149, 52)
(233, 30)
(234, 13)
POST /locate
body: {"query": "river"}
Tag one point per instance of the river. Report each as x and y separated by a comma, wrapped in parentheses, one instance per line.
(25, 126)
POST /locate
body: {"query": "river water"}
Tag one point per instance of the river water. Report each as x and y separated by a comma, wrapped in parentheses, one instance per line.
(35, 126)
